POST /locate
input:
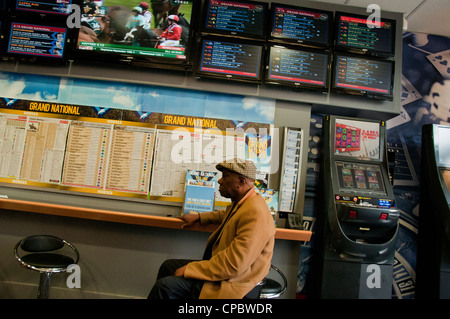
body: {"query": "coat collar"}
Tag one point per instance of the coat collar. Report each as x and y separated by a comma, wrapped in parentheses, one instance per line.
(251, 192)
(233, 208)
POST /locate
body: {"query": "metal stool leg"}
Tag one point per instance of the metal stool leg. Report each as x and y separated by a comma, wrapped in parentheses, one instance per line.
(44, 285)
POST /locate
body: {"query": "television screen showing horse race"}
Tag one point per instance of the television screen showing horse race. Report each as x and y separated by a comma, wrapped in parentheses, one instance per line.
(146, 29)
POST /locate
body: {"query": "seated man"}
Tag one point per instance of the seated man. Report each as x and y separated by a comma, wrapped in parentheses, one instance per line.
(237, 255)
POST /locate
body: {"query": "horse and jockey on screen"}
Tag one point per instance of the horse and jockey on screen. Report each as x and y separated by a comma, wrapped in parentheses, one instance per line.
(118, 24)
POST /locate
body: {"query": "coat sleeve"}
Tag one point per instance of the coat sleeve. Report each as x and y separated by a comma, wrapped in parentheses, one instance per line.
(252, 234)
(214, 217)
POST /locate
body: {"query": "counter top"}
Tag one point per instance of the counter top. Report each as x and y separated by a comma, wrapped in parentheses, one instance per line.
(128, 218)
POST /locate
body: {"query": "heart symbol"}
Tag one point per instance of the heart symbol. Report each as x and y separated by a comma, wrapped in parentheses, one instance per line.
(445, 62)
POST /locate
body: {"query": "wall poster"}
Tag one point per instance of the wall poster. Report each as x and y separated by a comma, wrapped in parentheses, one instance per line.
(107, 151)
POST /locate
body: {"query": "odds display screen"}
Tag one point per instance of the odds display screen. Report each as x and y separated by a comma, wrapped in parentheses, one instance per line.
(358, 32)
(299, 25)
(363, 75)
(231, 59)
(45, 6)
(235, 18)
(297, 66)
(36, 40)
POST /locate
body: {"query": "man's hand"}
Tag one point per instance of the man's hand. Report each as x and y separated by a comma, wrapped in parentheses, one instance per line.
(189, 219)
(180, 271)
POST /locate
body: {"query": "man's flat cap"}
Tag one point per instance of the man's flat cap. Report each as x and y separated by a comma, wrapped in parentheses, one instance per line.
(244, 167)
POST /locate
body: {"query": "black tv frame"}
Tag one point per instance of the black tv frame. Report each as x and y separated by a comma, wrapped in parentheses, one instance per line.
(360, 50)
(238, 35)
(199, 73)
(156, 61)
(24, 57)
(301, 85)
(371, 94)
(294, 41)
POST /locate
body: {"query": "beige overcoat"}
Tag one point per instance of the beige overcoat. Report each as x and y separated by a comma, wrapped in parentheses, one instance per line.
(241, 249)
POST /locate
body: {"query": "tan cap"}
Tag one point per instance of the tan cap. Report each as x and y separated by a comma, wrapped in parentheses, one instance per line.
(244, 167)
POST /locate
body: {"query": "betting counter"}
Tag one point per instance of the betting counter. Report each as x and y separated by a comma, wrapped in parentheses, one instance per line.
(127, 218)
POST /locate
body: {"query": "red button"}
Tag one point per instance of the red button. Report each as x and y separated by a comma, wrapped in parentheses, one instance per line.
(384, 216)
(352, 214)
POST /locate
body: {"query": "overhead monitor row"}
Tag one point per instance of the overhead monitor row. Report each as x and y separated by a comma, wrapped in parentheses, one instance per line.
(251, 20)
(231, 40)
(236, 60)
(296, 67)
(299, 26)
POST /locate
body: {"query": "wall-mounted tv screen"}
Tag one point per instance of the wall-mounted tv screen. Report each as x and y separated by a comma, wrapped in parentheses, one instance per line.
(234, 60)
(357, 139)
(36, 41)
(134, 33)
(296, 25)
(62, 7)
(358, 34)
(245, 19)
(358, 75)
(360, 177)
(297, 68)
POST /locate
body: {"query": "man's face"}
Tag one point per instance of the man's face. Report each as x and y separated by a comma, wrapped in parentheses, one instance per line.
(228, 184)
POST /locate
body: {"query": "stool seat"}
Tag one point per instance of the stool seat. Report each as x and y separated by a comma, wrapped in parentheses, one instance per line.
(271, 287)
(46, 254)
(48, 260)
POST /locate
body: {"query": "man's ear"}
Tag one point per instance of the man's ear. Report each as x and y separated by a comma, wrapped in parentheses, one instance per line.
(242, 180)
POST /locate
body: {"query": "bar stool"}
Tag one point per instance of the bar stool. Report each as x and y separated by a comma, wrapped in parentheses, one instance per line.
(46, 256)
(271, 288)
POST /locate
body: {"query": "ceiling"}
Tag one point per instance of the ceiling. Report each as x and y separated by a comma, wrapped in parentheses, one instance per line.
(426, 16)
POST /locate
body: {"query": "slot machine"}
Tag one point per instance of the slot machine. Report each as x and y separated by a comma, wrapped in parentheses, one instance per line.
(433, 248)
(359, 223)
